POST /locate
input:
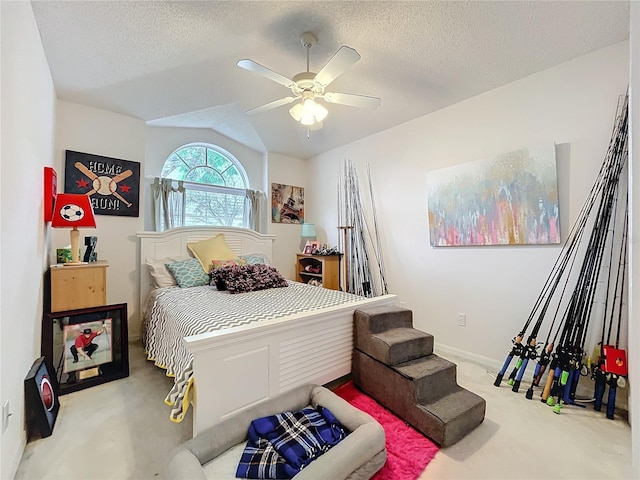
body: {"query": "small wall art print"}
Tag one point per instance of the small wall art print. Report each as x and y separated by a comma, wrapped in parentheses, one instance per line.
(287, 203)
(112, 184)
(511, 199)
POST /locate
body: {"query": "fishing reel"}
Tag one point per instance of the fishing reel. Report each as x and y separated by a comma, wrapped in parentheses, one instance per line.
(532, 351)
(565, 359)
(621, 382)
(517, 348)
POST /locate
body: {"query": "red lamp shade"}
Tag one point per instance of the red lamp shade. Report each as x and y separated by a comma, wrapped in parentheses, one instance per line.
(73, 210)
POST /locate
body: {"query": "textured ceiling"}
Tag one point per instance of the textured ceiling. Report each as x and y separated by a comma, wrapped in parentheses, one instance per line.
(174, 63)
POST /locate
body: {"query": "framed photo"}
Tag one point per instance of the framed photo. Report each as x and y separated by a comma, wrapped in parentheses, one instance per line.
(308, 249)
(86, 347)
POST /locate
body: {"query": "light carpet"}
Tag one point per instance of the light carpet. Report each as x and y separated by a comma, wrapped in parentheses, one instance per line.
(408, 451)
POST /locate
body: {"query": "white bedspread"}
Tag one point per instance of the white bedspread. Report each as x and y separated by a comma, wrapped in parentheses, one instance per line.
(173, 313)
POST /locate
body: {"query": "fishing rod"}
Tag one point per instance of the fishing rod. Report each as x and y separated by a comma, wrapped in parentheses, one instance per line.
(611, 368)
(571, 351)
(548, 357)
(617, 368)
(531, 350)
(574, 322)
(552, 280)
(551, 283)
(360, 278)
(378, 250)
(570, 356)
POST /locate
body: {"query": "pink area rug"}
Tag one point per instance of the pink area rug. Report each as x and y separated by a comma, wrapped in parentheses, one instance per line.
(408, 451)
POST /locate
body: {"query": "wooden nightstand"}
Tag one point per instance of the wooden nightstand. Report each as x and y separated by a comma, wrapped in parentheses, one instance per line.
(321, 269)
(78, 286)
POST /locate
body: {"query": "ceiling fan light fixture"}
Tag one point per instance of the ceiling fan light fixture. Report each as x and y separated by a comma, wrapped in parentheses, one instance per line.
(296, 112)
(320, 112)
(307, 119)
(308, 112)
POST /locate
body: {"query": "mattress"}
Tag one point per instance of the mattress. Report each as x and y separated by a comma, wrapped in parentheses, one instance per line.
(173, 313)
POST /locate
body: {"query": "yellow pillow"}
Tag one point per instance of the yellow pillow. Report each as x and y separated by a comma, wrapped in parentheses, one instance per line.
(214, 248)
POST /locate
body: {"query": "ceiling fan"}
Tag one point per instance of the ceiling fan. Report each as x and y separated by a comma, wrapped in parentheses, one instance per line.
(309, 87)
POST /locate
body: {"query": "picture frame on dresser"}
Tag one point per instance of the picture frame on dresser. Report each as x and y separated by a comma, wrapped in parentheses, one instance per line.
(86, 347)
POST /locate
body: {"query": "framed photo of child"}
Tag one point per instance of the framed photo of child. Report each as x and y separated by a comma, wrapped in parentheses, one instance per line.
(86, 347)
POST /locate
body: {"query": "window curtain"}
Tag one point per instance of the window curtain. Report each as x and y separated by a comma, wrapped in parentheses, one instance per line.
(168, 198)
(254, 208)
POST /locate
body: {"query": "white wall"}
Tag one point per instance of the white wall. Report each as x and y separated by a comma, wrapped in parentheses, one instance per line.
(634, 242)
(572, 105)
(95, 131)
(288, 171)
(27, 134)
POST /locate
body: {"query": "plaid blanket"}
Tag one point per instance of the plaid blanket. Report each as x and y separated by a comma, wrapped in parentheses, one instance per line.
(281, 445)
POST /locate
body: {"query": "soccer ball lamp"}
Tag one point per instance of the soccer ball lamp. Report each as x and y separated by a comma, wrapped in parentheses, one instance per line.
(73, 210)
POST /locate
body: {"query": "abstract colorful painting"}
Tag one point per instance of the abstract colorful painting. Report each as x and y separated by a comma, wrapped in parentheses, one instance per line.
(287, 203)
(511, 199)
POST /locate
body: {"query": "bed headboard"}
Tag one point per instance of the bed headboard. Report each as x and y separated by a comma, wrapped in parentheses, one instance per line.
(173, 243)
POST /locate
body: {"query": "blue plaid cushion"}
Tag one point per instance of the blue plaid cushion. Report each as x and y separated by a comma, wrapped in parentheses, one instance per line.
(279, 446)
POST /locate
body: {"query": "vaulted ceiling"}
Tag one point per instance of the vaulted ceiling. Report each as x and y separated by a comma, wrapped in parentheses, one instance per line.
(174, 63)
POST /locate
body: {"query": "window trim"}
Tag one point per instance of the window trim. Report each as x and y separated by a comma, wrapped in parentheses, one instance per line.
(207, 187)
(232, 158)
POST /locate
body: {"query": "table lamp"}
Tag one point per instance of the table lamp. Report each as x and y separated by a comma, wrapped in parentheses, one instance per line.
(73, 210)
(308, 232)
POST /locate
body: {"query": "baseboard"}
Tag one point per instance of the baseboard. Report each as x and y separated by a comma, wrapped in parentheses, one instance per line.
(492, 365)
(17, 457)
(489, 363)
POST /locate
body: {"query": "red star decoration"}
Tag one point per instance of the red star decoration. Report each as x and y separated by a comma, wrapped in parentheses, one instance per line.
(125, 188)
(82, 183)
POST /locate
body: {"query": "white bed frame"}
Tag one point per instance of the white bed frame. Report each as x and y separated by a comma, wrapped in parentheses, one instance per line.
(239, 367)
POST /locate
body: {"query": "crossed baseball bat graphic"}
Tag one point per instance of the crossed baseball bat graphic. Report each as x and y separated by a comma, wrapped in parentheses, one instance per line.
(105, 185)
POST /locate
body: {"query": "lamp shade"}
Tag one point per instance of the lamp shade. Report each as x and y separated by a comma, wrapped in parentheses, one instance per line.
(73, 210)
(308, 230)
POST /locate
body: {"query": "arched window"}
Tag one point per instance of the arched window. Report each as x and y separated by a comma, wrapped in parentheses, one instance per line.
(215, 185)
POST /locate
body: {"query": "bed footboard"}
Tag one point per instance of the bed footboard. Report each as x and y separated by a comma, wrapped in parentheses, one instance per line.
(242, 366)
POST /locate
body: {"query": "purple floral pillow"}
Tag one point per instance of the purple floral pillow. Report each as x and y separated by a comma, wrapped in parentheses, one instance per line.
(247, 278)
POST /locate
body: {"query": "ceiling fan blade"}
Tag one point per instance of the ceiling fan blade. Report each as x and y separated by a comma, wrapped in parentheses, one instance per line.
(270, 105)
(359, 101)
(265, 72)
(343, 59)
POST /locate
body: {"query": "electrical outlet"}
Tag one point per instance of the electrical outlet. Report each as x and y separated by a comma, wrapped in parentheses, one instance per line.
(462, 319)
(5, 416)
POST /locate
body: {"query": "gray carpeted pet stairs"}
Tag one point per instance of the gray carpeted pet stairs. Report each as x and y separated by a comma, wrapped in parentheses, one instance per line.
(394, 364)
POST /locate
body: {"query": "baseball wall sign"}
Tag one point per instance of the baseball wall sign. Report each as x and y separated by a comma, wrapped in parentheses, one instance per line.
(112, 184)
